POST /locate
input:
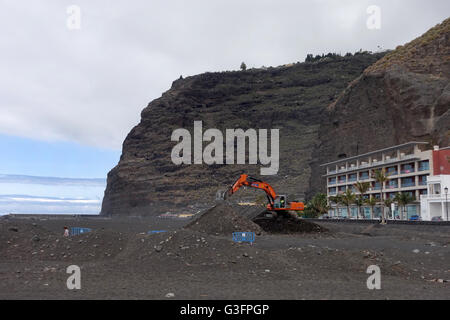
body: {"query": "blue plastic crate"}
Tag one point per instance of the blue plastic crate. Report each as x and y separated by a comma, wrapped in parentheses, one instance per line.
(244, 237)
(155, 231)
(74, 231)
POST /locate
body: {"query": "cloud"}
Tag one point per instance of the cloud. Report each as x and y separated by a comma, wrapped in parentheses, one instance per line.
(42, 205)
(54, 195)
(90, 85)
(53, 181)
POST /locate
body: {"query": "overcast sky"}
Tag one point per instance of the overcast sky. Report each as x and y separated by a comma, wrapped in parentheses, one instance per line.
(88, 86)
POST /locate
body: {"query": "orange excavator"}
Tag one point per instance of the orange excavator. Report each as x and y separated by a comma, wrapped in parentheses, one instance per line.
(277, 203)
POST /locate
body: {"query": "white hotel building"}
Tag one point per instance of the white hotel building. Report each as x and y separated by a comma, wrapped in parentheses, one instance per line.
(409, 167)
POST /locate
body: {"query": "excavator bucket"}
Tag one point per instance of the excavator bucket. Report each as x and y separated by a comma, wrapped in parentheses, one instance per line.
(221, 195)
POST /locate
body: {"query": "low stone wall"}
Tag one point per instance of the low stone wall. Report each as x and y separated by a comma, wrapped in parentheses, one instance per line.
(433, 223)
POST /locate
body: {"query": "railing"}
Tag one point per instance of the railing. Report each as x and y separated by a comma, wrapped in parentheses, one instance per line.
(395, 186)
(378, 163)
(424, 168)
(434, 197)
(405, 171)
(408, 184)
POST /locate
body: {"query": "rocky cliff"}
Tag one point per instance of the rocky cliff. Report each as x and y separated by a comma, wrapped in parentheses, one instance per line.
(326, 109)
(291, 98)
(405, 96)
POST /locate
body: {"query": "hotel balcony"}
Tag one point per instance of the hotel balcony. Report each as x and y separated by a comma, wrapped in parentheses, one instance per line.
(392, 173)
(435, 197)
(394, 186)
(379, 163)
(408, 184)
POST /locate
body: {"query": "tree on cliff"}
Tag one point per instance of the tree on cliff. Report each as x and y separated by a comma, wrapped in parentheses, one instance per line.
(243, 66)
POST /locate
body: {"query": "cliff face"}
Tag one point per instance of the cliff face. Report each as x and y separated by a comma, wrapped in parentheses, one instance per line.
(290, 98)
(325, 110)
(405, 96)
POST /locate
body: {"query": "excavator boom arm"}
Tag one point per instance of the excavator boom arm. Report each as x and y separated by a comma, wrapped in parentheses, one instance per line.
(245, 180)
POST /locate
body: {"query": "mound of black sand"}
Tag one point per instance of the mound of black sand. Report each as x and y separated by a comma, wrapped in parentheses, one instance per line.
(289, 225)
(222, 219)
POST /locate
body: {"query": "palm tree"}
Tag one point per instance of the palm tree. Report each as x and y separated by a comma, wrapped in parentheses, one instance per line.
(359, 201)
(381, 177)
(372, 202)
(347, 199)
(403, 199)
(388, 202)
(362, 188)
(336, 199)
(317, 206)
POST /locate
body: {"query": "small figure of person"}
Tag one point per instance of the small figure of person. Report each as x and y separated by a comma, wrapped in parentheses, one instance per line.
(66, 232)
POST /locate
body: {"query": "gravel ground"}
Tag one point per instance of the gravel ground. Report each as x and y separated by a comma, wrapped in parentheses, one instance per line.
(119, 260)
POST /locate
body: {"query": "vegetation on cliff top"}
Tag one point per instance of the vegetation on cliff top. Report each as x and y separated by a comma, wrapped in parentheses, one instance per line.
(407, 54)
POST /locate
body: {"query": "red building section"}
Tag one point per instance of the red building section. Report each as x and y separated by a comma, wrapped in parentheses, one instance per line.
(441, 162)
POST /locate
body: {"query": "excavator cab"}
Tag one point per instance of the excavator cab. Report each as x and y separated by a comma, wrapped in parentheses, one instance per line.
(280, 202)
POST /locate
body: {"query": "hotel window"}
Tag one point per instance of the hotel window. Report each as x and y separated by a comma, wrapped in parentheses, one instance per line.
(423, 191)
(391, 195)
(341, 189)
(376, 186)
(366, 197)
(435, 188)
(376, 196)
(422, 180)
(342, 179)
(392, 171)
(408, 168)
(332, 190)
(424, 165)
(332, 180)
(363, 175)
(408, 182)
(411, 210)
(352, 177)
(392, 184)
